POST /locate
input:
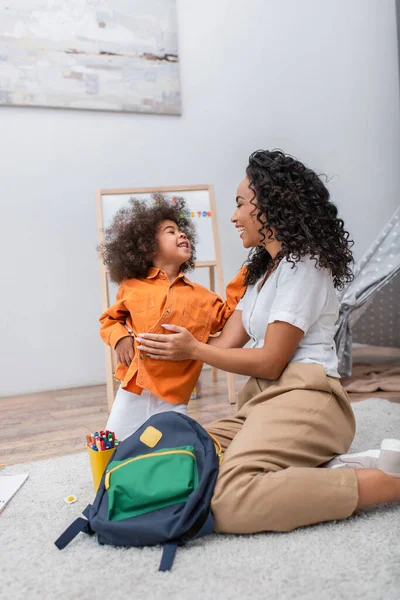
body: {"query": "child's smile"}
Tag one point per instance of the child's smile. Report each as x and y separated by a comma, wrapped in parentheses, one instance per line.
(184, 244)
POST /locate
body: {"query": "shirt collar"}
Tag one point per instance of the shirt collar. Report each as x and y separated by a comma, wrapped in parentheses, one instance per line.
(154, 272)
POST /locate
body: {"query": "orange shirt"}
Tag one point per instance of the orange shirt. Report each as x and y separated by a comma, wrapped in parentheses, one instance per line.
(147, 303)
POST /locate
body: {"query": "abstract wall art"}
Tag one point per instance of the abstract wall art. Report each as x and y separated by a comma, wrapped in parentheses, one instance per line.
(117, 55)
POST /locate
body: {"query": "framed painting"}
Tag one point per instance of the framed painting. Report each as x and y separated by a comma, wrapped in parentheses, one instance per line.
(115, 55)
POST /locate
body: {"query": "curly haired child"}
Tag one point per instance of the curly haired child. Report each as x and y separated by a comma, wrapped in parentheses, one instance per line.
(147, 249)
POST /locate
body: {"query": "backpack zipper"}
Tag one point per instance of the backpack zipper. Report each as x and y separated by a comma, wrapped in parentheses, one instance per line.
(108, 473)
(218, 448)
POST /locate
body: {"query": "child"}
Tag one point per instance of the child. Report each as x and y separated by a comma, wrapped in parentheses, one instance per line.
(147, 249)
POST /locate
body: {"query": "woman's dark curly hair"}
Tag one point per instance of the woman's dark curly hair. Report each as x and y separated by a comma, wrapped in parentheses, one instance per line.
(129, 243)
(292, 200)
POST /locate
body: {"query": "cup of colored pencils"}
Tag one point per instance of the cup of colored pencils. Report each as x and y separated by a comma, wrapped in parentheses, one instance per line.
(102, 440)
(101, 446)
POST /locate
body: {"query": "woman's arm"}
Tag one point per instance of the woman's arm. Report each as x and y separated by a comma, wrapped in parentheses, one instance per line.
(280, 343)
(233, 334)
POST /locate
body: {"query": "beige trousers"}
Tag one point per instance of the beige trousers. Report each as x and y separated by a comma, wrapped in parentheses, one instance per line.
(283, 431)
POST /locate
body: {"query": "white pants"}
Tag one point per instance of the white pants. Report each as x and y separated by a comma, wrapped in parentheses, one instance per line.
(130, 411)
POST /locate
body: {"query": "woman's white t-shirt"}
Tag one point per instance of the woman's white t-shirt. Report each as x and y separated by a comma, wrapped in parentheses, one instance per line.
(304, 296)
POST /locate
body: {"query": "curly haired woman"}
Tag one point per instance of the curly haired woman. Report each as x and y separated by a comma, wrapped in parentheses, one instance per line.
(293, 413)
(147, 249)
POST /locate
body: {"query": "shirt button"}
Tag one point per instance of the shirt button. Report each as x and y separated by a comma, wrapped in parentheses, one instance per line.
(168, 311)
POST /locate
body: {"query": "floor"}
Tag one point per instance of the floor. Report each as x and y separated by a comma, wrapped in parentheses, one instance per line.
(55, 423)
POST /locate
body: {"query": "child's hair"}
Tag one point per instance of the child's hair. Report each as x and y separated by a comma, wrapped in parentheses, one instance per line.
(129, 243)
(292, 199)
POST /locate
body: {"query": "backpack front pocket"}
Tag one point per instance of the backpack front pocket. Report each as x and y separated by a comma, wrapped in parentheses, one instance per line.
(148, 482)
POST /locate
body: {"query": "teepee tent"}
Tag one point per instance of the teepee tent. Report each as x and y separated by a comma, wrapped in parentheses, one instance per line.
(370, 304)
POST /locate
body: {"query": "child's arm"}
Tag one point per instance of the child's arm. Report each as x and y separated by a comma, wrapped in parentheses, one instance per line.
(113, 330)
(221, 311)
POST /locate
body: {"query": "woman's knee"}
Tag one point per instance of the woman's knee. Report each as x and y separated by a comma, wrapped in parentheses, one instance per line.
(236, 500)
(241, 506)
(226, 509)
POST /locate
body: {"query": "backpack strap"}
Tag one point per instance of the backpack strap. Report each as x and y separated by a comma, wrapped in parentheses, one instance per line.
(168, 556)
(72, 531)
(86, 511)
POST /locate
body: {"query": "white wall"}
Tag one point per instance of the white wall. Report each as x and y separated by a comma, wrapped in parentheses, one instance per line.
(318, 79)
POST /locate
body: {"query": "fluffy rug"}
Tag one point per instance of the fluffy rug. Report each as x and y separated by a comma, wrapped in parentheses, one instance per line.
(357, 558)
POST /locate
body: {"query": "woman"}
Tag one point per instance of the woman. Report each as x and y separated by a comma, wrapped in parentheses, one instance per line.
(293, 413)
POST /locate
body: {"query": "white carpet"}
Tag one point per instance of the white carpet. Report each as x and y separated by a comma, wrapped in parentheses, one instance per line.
(357, 558)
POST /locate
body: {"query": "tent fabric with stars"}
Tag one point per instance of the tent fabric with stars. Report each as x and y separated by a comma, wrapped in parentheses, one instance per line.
(370, 304)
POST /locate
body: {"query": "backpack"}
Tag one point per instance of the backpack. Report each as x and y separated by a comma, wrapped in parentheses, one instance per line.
(156, 488)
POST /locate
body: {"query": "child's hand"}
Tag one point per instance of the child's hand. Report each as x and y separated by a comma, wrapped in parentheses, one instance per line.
(125, 350)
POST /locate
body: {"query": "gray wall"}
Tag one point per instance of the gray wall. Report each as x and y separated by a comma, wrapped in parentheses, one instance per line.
(318, 79)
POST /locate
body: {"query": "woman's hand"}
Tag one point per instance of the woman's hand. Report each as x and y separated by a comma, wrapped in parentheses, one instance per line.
(180, 345)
